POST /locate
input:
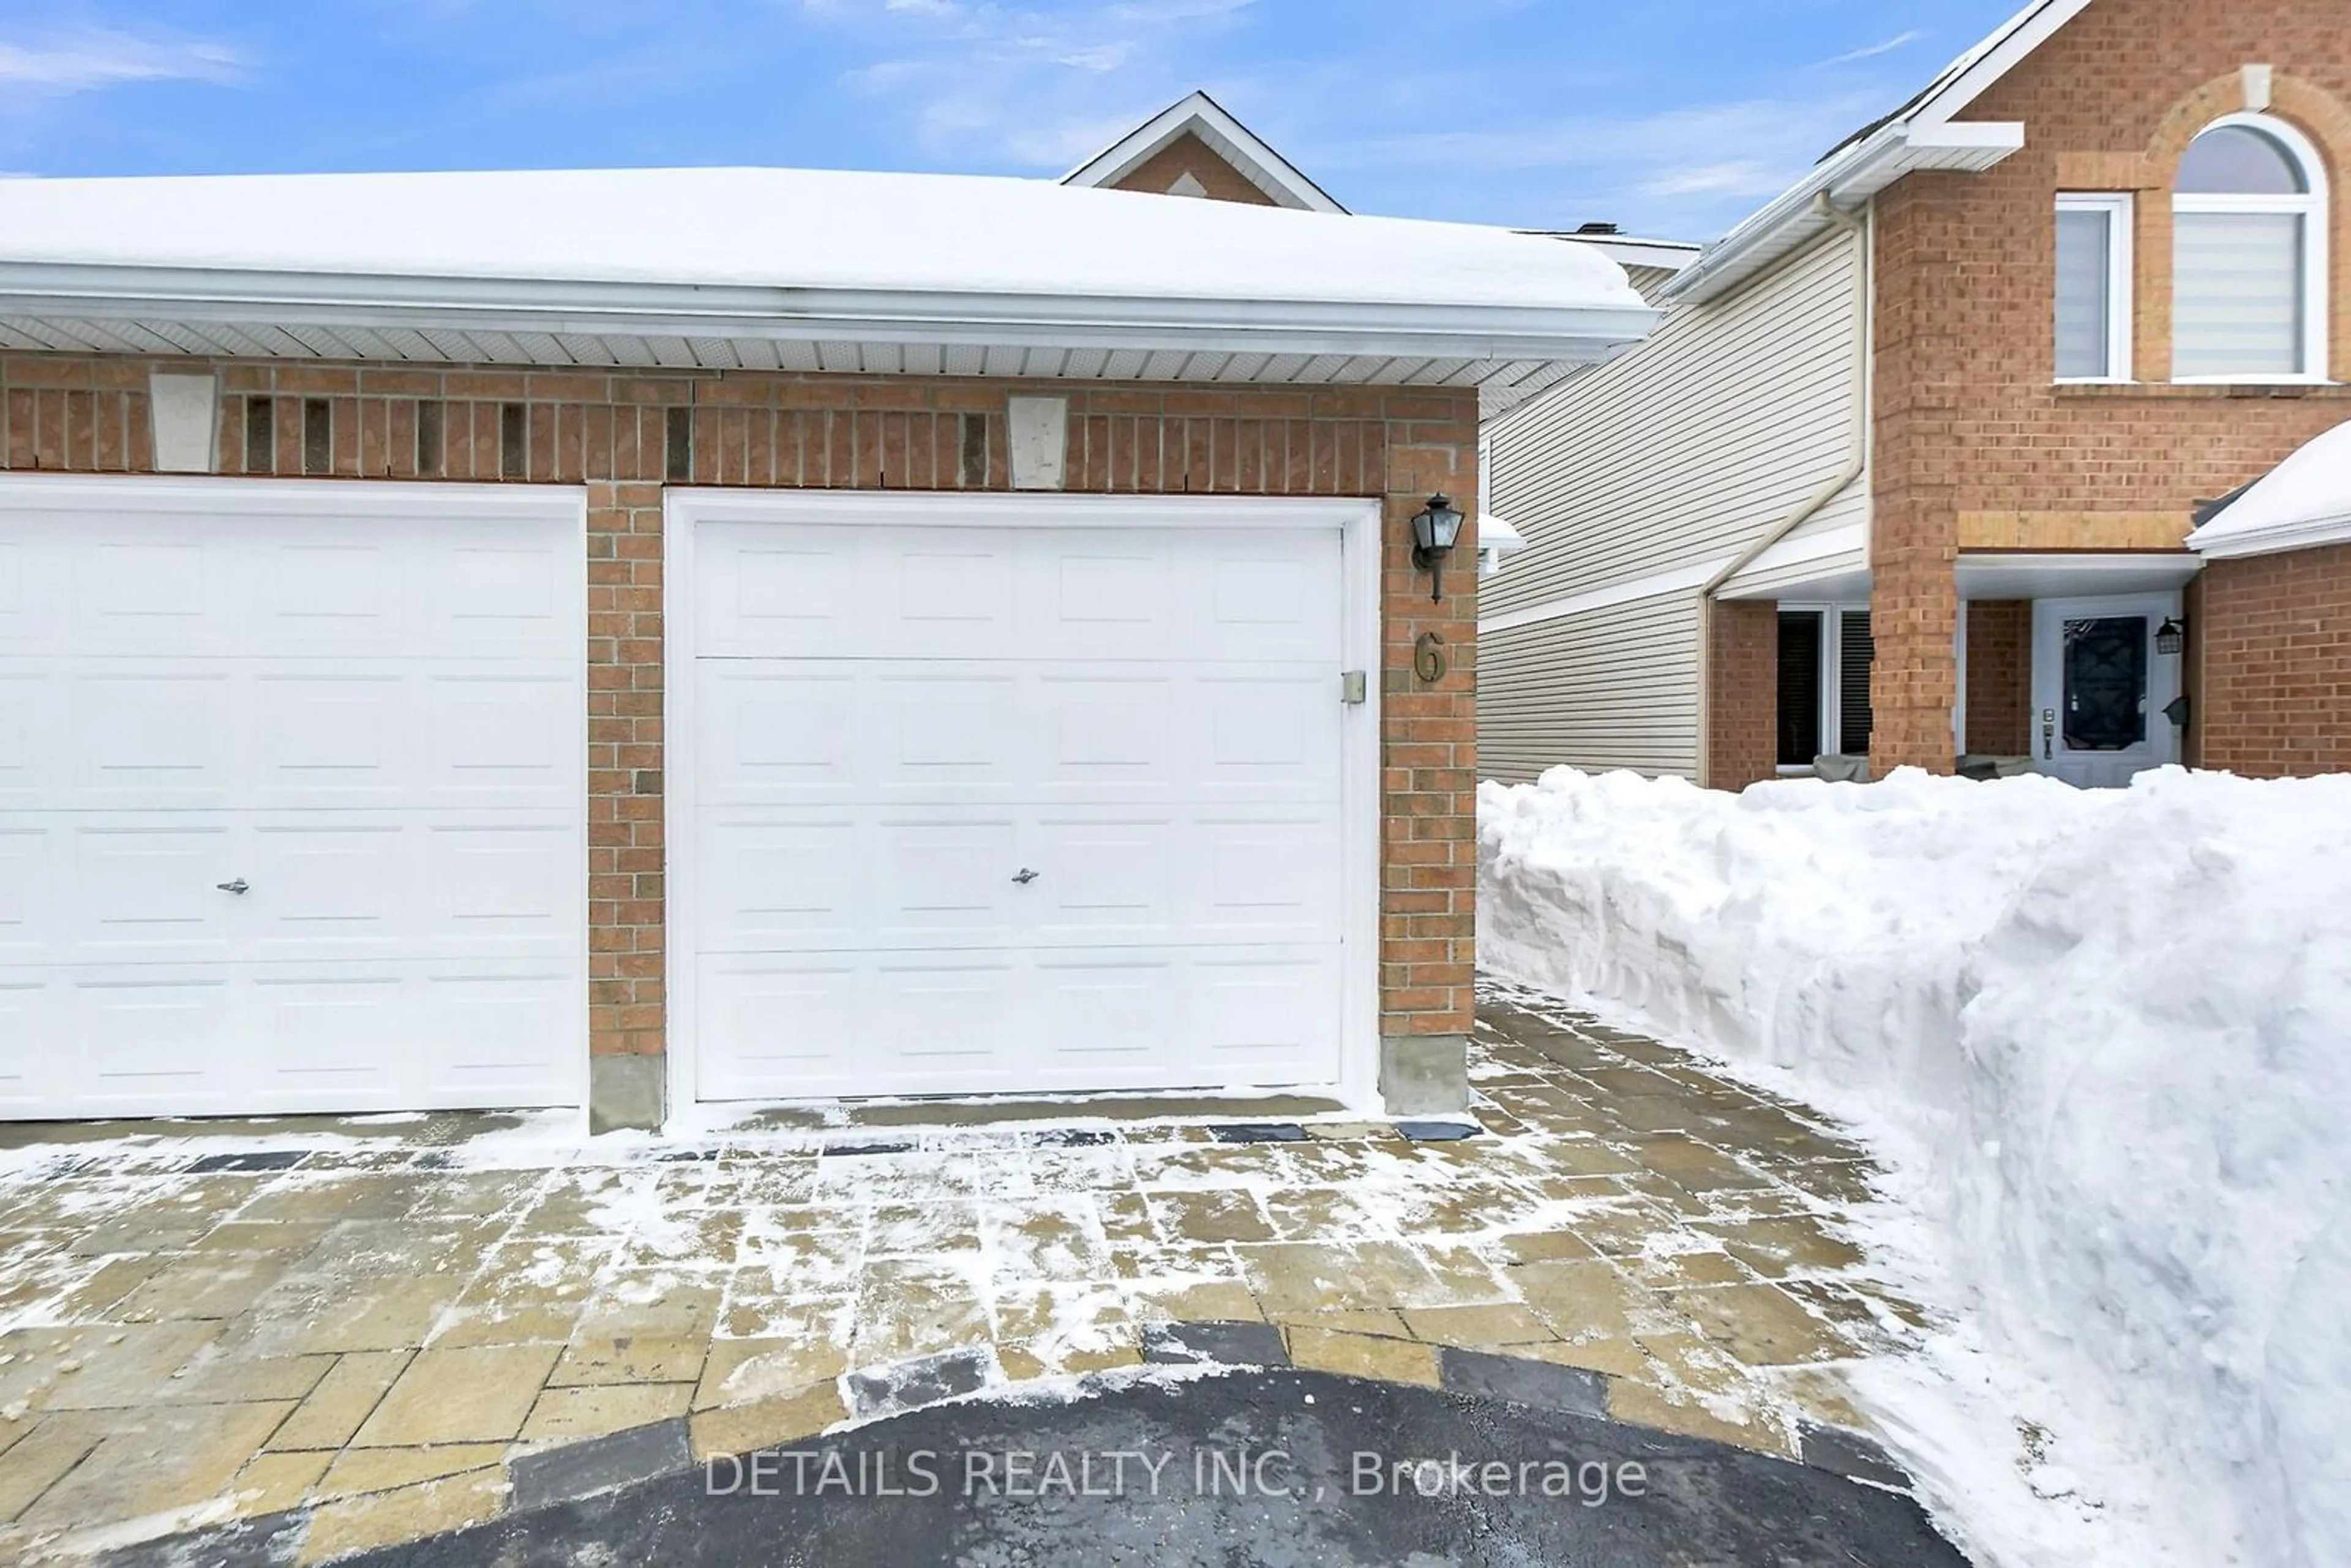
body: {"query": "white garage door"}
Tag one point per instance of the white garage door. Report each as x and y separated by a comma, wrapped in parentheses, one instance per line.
(987, 809)
(291, 786)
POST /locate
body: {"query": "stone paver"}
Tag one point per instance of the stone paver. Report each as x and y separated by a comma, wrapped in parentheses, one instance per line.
(373, 1329)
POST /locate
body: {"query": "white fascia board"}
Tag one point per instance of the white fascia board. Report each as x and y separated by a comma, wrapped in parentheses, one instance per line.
(1848, 180)
(2213, 543)
(1994, 59)
(44, 290)
(1249, 153)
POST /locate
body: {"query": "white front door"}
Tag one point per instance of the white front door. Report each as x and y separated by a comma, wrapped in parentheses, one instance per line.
(2100, 687)
(291, 797)
(990, 808)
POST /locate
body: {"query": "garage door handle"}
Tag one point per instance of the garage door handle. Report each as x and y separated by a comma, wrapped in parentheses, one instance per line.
(239, 885)
(1025, 876)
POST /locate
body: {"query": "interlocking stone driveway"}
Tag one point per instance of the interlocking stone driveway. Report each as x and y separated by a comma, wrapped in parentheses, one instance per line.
(372, 1329)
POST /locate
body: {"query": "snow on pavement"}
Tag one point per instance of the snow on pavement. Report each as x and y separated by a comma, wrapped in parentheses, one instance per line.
(2100, 1039)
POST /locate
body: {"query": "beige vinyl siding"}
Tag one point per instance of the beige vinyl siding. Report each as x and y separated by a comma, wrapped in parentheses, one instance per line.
(1613, 688)
(1689, 447)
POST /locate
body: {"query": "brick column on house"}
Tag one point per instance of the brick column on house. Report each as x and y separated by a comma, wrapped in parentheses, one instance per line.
(1429, 928)
(1922, 256)
(2000, 677)
(1742, 692)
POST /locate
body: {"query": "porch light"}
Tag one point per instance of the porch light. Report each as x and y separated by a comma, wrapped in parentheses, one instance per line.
(2172, 636)
(1434, 532)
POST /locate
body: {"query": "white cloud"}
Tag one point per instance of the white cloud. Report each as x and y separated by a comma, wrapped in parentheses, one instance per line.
(1035, 87)
(1871, 51)
(91, 58)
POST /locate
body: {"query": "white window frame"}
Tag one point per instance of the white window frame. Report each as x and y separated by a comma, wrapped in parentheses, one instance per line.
(2313, 207)
(1831, 675)
(2120, 210)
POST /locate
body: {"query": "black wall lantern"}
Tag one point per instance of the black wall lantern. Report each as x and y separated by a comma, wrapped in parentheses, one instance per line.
(1434, 532)
(2172, 636)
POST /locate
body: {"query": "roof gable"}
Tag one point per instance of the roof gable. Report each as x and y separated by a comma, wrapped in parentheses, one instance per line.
(1200, 116)
(1924, 133)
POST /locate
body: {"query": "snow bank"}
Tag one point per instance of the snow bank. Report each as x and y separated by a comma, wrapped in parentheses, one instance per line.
(2107, 1037)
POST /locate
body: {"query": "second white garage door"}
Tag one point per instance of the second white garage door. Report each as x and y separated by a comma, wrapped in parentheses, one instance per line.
(1014, 809)
(292, 786)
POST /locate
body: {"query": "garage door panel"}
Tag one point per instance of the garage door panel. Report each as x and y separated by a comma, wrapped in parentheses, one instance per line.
(165, 593)
(494, 1036)
(1102, 596)
(1274, 597)
(505, 887)
(364, 701)
(777, 1027)
(1266, 736)
(945, 879)
(1109, 1022)
(776, 732)
(942, 594)
(145, 741)
(345, 596)
(925, 1024)
(1113, 879)
(1264, 879)
(28, 1035)
(792, 884)
(504, 741)
(503, 591)
(144, 891)
(761, 592)
(28, 893)
(1108, 736)
(1267, 1016)
(327, 889)
(336, 1037)
(959, 731)
(30, 746)
(158, 1039)
(331, 739)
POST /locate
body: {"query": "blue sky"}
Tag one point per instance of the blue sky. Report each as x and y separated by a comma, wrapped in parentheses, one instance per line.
(1673, 120)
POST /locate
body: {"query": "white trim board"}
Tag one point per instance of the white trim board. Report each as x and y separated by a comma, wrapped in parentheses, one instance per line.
(1787, 554)
(1251, 156)
(1358, 522)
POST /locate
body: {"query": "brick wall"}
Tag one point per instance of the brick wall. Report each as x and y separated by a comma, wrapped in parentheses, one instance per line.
(1967, 419)
(2275, 659)
(2000, 676)
(624, 435)
(1187, 154)
(1743, 697)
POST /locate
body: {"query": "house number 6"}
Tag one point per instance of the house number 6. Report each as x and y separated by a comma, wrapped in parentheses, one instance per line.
(1428, 660)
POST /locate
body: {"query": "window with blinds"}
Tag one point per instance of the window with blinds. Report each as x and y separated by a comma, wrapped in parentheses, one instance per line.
(1823, 683)
(2237, 294)
(1800, 688)
(2249, 255)
(2092, 288)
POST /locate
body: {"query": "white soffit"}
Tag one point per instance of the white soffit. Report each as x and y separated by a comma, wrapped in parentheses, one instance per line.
(1198, 114)
(2303, 503)
(2051, 575)
(798, 270)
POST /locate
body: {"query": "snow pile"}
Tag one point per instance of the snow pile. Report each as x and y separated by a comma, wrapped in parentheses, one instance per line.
(2106, 1038)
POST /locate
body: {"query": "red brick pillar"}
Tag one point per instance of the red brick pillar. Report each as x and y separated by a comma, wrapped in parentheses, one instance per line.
(1742, 692)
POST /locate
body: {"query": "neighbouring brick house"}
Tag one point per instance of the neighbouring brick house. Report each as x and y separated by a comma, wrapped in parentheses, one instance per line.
(732, 635)
(1908, 474)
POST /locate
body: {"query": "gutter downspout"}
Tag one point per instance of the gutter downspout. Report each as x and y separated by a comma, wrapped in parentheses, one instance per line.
(1856, 463)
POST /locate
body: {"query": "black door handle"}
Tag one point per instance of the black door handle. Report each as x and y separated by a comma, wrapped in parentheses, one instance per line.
(1025, 876)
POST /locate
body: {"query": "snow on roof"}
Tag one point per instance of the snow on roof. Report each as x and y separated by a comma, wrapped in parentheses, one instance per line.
(791, 228)
(2303, 502)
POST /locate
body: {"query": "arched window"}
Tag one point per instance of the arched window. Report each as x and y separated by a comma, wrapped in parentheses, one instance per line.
(2249, 275)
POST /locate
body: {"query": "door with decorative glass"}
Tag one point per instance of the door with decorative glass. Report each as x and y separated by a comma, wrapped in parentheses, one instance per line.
(2101, 688)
